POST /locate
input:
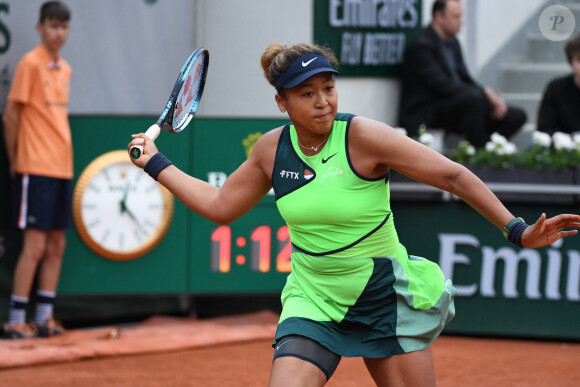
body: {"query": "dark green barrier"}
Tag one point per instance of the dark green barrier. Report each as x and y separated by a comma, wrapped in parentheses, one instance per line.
(503, 290)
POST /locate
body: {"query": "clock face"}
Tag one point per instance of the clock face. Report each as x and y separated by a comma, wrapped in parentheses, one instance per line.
(119, 211)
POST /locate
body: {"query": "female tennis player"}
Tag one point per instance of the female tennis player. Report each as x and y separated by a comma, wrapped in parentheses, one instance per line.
(354, 290)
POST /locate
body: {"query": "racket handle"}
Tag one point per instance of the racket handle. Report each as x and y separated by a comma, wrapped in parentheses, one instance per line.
(136, 150)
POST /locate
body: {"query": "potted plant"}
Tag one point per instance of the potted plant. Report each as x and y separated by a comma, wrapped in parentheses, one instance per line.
(549, 165)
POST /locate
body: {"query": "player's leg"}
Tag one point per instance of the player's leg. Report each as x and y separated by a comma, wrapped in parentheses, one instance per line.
(51, 264)
(25, 216)
(29, 207)
(405, 370)
(40, 205)
(47, 284)
(59, 220)
(31, 254)
(301, 361)
(50, 268)
(37, 206)
(33, 250)
(291, 371)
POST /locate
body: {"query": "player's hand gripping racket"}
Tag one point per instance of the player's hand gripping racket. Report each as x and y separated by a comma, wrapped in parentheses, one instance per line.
(183, 101)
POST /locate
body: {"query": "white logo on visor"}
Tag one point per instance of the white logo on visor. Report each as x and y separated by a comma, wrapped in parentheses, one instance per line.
(304, 64)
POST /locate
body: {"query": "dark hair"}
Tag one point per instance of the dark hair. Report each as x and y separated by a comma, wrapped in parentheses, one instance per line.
(572, 47)
(439, 6)
(54, 10)
(278, 57)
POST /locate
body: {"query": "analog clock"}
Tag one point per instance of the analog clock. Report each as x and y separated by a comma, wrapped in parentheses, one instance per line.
(119, 211)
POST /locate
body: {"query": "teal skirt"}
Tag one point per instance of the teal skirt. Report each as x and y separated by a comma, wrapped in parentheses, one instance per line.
(370, 307)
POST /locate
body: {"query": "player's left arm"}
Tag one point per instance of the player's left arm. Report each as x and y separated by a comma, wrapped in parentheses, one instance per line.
(386, 146)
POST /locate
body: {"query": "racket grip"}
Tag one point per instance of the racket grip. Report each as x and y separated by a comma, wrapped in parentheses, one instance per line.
(136, 150)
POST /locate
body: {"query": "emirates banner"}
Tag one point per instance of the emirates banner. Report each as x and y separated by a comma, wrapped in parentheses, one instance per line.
(368, 36)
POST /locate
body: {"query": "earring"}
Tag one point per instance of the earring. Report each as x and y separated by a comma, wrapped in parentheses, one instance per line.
(283, 110)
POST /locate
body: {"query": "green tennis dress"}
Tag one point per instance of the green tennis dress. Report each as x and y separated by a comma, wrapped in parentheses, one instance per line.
(353, 287)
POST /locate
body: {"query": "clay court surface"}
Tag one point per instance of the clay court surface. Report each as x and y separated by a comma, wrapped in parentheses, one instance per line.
(236, 351)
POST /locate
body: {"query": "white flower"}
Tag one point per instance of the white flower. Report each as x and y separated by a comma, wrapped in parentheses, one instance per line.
(498, 139)
(562, 141)
(402, 130)
(500, 145)
(490, 146)
(576, 139)
(541, 138)
(466, 147)
(510, 148)
(427, 139)
(501, 150)
(470, 150)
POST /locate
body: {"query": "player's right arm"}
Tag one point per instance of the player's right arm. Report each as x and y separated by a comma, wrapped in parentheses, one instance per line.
(10, 118)
(243, 189)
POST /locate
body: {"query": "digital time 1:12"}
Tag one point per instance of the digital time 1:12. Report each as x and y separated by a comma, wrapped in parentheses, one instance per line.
(260, 249)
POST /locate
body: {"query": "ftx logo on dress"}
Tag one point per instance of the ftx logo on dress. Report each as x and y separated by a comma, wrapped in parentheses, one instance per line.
(290, 175)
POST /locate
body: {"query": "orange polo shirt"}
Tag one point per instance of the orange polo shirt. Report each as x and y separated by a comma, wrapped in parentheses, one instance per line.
(43, 142)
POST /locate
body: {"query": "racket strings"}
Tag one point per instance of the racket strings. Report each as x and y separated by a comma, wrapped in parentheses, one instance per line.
(190, 94)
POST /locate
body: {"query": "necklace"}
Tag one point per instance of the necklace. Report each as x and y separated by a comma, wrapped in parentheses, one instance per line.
(314, 148)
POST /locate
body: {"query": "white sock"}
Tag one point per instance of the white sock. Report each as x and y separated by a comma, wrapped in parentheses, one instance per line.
(44, 306)
(17, 314)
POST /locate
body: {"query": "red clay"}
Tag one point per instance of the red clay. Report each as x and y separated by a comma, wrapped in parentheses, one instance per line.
(459, 361)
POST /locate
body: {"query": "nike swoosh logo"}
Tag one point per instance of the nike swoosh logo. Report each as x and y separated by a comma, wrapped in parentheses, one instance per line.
(281, 344)
(304, 64)
(329, 157)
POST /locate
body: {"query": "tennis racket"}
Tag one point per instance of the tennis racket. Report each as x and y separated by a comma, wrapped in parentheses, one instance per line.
(183, 101)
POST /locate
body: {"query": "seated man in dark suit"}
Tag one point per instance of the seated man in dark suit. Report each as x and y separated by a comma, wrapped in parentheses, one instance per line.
(438, 92)
(560, 107)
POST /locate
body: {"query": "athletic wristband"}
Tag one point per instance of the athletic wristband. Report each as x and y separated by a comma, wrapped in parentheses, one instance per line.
(513, 231)
(156, 164)
(506, 229)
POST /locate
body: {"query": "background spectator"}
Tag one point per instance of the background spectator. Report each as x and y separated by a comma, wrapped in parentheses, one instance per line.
(39, 148)
(439, 92)
(560, 106)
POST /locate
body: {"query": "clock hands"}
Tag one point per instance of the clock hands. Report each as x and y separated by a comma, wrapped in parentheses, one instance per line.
(125, 209)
